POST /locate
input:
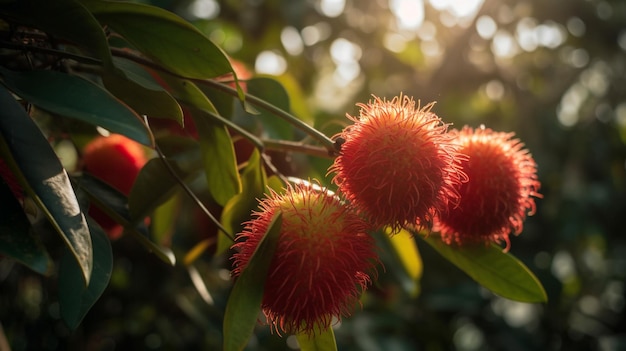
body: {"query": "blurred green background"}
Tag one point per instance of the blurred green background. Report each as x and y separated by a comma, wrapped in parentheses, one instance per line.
(553, 72)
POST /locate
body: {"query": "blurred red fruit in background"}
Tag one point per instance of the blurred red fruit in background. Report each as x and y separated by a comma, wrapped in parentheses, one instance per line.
(116, 160)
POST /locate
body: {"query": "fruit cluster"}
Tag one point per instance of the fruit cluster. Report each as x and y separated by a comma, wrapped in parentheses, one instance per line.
(399, 167)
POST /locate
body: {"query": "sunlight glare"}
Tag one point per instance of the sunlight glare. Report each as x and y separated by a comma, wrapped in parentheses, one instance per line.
(312, 35)
(346, 55)
(332, 8)
(486, 27)
(410, 13)
(503, 44)
(292, 41)
(269, 62)
(395, 42)
(205, 9)
(343, 50)
(458, 8)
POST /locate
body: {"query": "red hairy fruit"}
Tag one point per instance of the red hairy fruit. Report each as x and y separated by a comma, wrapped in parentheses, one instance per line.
(499, 193)
(321, 265)
(116, 160)
(398, 165)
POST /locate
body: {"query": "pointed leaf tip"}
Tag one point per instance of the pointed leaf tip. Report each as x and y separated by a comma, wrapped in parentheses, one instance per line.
(500, 272)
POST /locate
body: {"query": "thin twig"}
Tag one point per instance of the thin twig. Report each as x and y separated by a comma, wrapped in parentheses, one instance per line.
(267, 159)
(286, 145)
(50, 51)
(330, 145)
(244, 133)
(191, 193)
(314, 133)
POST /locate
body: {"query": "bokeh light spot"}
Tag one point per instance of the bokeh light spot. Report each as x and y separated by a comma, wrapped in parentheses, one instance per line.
(576, 26)
(410, 13)
(205, 9)
(292, 41)
(458, 8)
(269, 62)
(486, 27)
(332, 8)
(494, 90)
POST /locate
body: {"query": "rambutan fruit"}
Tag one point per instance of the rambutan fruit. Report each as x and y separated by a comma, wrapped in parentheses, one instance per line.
(321, 265)
(397, 165)
(500, 191)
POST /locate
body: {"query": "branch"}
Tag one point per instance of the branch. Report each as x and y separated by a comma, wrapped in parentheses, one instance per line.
(285, 145)
(50, 51)
(330, 145)
(296, 122)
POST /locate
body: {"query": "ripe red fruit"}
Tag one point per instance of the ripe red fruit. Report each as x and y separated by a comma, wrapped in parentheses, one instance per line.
(322, 261)
(117, 161)
(499, 193)
(397, 165)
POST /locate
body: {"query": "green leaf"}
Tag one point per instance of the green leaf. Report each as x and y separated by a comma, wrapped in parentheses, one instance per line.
(224, 103)
(187, 92)
(218, 152)
(323, 340)
(274, 183)
(244, 302)
(494, 269)
(165, 218)
(109, 199)
(17, 240)
(66, 19)
(31, 158)
(297, 97)
(75, 300)
(145, 77)
(405, 251)
(115, 205)
(274, 93)
(155, 175)
(200, 106)
(75, 97)
(218, 157)
(130, 84)
(238, 209)
(164, 37)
